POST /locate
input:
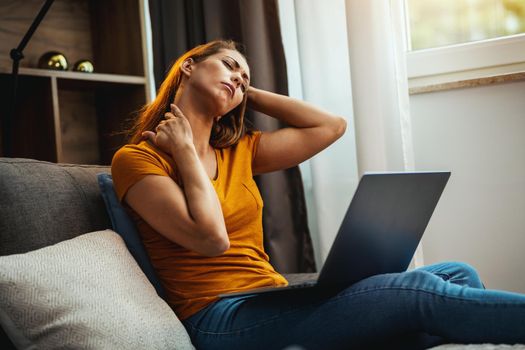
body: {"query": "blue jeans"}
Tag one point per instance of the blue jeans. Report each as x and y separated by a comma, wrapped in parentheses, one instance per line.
(416, 309)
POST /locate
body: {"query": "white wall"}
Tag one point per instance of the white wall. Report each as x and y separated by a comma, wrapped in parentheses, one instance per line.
(479, 134)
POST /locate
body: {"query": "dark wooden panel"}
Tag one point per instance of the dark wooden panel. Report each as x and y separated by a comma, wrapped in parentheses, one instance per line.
(33, 127)
(116, 108)
(79, 126)
(94, 116)
(116, 35)
(65, 28)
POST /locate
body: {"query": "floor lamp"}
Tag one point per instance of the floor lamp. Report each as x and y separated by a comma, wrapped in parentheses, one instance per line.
(16, 55)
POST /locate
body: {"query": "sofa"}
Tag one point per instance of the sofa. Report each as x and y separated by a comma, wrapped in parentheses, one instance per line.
(66, 278)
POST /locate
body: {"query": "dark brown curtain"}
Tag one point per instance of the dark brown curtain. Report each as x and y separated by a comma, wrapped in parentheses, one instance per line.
(177, 26)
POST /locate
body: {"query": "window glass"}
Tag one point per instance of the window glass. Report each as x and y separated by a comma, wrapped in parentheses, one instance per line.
(435, 23)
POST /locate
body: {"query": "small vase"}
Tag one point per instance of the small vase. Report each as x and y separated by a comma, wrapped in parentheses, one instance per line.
(53, 60)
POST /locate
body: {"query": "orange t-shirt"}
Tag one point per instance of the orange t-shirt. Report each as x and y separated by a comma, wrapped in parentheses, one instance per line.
(193, 281)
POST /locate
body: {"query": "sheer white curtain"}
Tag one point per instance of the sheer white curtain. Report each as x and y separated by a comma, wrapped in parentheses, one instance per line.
(377, 46)
(348, 56)
(315, 41)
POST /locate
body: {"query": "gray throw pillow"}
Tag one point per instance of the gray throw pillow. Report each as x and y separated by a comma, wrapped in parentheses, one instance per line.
(84, 293)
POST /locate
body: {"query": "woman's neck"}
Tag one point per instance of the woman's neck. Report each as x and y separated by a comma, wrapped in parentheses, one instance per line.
(200, 120)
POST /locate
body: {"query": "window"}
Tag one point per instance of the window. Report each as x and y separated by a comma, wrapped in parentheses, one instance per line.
(454, 40)
(436, 23)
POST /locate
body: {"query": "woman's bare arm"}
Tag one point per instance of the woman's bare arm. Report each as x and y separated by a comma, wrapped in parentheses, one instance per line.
(310, 131)
(190, 215)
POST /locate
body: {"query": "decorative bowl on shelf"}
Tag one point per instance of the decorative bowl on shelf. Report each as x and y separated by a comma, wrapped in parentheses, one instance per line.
(85, 66)
(53, 60)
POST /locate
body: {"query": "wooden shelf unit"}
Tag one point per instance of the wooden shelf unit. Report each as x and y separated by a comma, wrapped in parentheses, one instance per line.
(66, 116)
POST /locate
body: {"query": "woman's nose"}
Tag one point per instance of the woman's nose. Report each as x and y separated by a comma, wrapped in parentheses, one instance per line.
(236, 78)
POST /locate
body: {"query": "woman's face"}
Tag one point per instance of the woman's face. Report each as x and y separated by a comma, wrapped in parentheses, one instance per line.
(222, 79)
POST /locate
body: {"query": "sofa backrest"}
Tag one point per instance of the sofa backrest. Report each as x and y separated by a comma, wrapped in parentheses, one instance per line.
(43, 203)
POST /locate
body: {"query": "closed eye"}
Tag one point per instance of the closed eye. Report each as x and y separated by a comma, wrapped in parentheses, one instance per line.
(227, 64)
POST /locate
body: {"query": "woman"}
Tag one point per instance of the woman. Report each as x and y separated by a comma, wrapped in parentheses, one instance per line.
(187, 179)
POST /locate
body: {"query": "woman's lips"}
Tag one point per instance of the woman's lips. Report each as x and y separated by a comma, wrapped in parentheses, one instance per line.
(231, 88)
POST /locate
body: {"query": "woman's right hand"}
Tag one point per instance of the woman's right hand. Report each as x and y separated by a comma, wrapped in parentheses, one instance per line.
(172, 134)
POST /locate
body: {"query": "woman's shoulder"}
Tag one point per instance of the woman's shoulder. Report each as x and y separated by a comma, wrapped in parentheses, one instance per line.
(249, 139)
(143, 153)
(251, 133)
(141, 147)
(244, 149)
(131, 151)
(132, 162)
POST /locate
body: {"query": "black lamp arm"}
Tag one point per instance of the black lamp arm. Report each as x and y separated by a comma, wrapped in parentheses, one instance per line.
(17, 55)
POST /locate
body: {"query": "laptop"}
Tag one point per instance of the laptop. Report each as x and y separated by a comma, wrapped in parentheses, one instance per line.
(380, 232)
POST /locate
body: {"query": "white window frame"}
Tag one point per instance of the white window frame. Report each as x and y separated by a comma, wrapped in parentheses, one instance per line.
(472, 60)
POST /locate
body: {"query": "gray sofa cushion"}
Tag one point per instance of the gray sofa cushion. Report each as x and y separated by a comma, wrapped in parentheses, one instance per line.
(45, 203)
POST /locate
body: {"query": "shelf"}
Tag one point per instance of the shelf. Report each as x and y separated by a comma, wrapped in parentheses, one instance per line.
(96, 77)
(68, 116)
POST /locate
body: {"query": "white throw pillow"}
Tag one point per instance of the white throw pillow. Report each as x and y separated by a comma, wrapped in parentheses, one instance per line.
(84, 293)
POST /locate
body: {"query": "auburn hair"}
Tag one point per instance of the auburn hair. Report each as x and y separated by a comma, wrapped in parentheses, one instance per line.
(225, 132)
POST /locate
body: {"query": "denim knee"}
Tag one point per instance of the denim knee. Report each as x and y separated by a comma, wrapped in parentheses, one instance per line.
(463, 273)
